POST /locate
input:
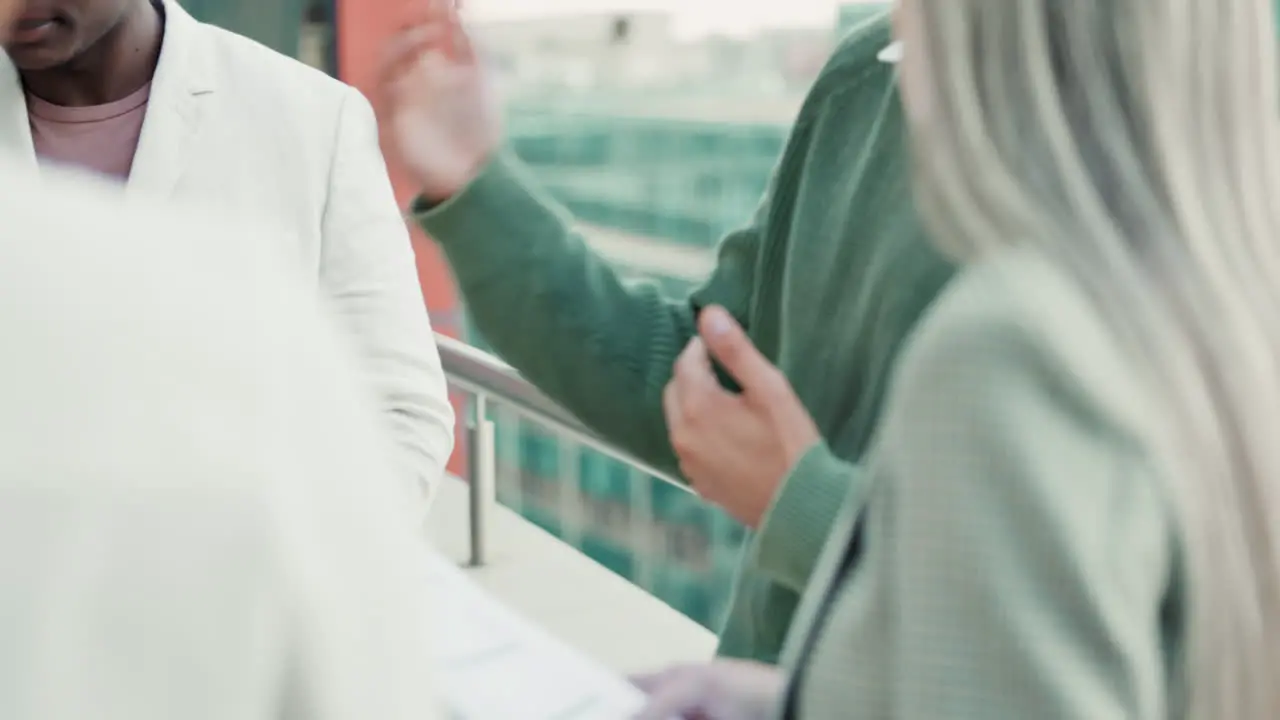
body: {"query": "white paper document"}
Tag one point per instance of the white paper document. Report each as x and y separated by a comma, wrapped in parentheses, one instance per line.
(495, 665)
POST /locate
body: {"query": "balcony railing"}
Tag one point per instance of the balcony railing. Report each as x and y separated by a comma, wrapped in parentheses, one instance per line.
(634, 581)
(488, 380)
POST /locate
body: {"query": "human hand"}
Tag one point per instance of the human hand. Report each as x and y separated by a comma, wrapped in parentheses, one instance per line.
(435, 110)
(722, 690)
(734, 448)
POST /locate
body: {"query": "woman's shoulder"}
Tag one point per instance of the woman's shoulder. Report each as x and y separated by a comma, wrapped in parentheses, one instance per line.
(1022, 315)
(1024, 298)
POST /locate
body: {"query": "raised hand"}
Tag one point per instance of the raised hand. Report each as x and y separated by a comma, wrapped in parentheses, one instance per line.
(433, 100)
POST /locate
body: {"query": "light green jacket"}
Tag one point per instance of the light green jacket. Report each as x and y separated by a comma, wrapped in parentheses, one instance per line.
(1019, 557)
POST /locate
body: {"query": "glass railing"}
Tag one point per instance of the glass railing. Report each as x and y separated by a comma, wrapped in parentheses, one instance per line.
(536, 458)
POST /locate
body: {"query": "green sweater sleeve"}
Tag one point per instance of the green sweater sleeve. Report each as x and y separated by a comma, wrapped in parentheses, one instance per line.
(602, 347)
(798, 523)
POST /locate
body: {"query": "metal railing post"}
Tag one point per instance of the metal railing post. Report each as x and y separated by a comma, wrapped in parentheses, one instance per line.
(484, 376)
(481, 462)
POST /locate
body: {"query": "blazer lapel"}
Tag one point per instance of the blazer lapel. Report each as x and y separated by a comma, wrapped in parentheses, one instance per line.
(15, 128)
(174, 110)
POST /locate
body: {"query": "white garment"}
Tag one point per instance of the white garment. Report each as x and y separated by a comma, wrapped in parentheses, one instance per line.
(198, 517)
(255, 134)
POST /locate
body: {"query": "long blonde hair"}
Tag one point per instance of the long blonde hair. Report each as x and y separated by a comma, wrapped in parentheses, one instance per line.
(1136, 143)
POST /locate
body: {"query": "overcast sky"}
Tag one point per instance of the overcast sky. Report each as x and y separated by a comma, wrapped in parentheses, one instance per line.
(693, 16)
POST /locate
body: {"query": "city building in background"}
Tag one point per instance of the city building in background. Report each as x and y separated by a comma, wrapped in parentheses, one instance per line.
(626, 53)
(852, 14)
(274, 23)
(659, 145)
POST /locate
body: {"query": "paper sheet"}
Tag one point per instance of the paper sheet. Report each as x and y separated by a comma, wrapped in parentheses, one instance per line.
(495, 665)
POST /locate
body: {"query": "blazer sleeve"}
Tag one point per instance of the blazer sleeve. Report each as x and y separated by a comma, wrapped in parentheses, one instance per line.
(1023, 545)
(369, 273)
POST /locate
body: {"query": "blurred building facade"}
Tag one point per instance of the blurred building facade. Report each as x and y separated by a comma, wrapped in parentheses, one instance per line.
(852, 14)
(275, 23)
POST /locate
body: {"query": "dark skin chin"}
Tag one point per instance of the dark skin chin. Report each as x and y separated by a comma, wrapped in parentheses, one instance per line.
(112, 68)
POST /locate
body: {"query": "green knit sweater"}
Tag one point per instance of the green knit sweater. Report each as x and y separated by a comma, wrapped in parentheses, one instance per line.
(828, 279)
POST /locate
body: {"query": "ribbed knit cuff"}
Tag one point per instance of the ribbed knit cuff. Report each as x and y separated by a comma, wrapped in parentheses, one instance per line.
(805, 508)
(482, 209)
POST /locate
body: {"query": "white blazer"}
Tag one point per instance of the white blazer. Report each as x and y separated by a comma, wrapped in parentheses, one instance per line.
(253, 133)
(198, 520)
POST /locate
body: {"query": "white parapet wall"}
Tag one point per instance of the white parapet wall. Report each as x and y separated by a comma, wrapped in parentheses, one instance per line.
(573, 597)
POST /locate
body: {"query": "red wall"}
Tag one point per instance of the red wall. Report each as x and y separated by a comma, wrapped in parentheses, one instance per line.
(362, 27)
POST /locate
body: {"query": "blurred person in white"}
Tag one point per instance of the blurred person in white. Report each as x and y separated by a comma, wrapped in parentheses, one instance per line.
(198, 517)
(139, 91)
(198, 513)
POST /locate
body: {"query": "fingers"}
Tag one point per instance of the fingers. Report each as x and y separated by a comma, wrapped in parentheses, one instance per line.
(649, 682)
(442, 15)
(672, 409)
(727, 342)
(693, 369)
(398, 76)
(693, 402)
(646, 683)
(403, 52)
(682, 432)
(432, 34)
(681, 696)
(410, 57)
(459, 41)
(693, 395)
(421, 12)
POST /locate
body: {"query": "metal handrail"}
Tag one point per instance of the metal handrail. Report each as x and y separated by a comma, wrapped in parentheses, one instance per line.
(479, 373)
(477, 370)
(485, 377)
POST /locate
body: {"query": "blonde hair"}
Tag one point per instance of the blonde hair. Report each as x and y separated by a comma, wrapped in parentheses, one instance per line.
(1135, 142)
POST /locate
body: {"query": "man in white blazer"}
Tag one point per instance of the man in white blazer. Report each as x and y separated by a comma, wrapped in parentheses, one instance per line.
(198, 514)
(140, 91)
(184, 530)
